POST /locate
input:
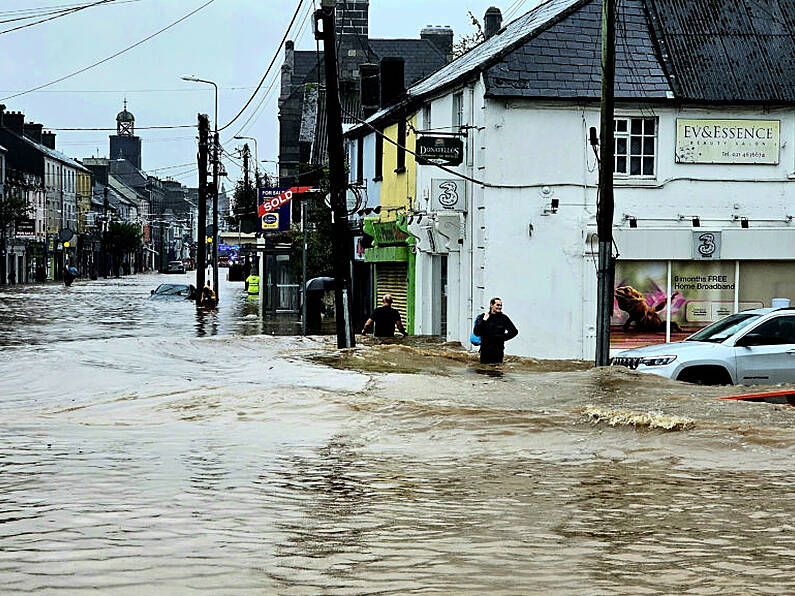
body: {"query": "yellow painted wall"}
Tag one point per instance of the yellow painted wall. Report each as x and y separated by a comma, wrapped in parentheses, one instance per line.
(396, 188)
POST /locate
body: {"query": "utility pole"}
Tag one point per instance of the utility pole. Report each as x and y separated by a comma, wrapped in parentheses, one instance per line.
(606, 272)
(201, 247)
(339, 212)
(216, 235)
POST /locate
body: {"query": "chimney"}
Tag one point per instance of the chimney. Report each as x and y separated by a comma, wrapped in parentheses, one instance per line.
(14, 121)
(48, 139)
(352, 18)
(393, 85)
(493, 21)
(441, 36)
(368, 77)
(33, 131)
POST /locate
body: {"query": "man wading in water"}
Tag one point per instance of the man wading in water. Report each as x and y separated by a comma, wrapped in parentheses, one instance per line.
(494, 329)
(384, 319)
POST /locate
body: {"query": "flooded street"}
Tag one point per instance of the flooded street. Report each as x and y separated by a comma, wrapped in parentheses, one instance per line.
(148, 449)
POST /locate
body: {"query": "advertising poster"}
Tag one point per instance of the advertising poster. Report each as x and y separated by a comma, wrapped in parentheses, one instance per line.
(701, 292)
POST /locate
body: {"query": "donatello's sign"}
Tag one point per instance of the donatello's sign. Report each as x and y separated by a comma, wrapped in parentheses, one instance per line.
(446, 151)
(727, 141)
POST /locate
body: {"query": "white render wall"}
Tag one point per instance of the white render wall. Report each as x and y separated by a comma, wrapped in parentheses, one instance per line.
(546, 279)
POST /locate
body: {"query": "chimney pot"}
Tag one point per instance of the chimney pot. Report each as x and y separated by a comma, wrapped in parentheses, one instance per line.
(493, 21)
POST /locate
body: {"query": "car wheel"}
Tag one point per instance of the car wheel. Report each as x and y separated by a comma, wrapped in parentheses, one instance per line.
(705, 375)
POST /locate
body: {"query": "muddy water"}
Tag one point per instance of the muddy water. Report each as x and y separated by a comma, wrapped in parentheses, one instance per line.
(145, 449)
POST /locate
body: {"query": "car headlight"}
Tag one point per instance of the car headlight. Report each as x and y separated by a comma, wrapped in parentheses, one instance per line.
(657, 360)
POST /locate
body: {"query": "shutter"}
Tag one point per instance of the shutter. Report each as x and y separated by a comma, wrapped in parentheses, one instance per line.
(392, 278)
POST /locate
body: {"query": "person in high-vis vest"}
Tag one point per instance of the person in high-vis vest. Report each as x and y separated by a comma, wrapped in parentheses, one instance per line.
(252, 284)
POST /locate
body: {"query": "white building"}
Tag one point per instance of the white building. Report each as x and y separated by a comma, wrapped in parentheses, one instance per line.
(704, 166)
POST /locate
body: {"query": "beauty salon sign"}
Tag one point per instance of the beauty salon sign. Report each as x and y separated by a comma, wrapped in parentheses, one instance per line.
(727, 141)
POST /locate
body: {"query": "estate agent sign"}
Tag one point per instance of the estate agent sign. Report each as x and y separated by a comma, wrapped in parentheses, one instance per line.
(446, 151)
(727, 141)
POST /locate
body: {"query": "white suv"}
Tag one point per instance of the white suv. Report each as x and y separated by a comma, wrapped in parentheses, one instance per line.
(750, 347)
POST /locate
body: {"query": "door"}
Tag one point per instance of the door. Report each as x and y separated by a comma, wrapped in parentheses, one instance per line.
(766, 354)
(392, 278)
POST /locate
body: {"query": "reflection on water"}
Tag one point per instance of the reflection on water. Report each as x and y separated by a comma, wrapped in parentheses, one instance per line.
(149, 447)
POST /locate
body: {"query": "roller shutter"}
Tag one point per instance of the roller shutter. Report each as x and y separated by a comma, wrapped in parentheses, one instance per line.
(392, 278)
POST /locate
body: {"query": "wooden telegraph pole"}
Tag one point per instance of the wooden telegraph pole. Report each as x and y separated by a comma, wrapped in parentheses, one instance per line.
(201, 248)
(606, 272)
(342, 245)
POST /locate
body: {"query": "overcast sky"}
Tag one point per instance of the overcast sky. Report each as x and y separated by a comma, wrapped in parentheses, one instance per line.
(229, 41)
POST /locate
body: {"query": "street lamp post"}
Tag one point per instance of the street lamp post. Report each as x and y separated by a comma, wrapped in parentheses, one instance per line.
(215, 188)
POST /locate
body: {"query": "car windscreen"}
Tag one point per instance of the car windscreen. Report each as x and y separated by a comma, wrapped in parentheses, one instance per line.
(172, 290)
(724, 328)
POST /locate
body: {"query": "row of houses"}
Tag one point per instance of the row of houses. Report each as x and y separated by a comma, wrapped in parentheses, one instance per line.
(70, 203)
(481, 179)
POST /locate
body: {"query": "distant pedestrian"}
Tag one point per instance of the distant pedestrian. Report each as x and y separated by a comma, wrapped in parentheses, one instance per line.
(252, 284)
(494, 328)
(12, 278)
(384, 319)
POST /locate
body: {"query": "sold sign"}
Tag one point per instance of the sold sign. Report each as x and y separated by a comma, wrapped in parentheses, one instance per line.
(269, 204)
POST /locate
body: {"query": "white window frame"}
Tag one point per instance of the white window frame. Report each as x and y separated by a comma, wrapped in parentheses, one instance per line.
(458, 110)
(625, 150)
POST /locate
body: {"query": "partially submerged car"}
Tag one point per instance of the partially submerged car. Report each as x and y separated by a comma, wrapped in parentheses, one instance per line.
(747, 348)
(173, 291)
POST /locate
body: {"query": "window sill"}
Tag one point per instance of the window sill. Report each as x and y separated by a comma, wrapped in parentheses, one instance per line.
(400, 170)
(630, 181)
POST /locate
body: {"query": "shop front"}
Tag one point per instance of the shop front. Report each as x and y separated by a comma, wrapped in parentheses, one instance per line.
(658, 300)
(392, 258)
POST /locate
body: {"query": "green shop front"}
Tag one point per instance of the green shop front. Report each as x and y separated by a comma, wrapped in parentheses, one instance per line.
(392, 257)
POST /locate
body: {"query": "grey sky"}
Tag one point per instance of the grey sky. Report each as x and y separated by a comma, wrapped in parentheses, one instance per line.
(230, 42)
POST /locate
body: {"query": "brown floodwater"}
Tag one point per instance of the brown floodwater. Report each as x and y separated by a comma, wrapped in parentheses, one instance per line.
(146, 448)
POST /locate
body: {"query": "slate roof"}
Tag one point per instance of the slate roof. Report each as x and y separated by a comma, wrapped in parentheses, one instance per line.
(727, 51)
(737, 51)
(564, 60)
(421, 56)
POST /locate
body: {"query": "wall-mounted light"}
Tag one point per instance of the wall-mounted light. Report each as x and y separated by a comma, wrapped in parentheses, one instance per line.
(696, 222)
(633, 222)
(744, 222)
(592, 138)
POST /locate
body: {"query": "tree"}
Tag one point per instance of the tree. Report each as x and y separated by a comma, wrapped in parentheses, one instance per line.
(467, 42)
(119, 239)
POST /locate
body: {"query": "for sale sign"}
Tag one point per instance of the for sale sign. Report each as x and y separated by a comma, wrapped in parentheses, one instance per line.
(271, 199)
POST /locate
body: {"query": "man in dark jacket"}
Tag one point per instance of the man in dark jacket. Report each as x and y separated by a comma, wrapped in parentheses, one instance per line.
(384, 319)
(494, 329)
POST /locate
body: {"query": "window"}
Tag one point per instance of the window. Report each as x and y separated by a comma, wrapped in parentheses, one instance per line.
(635, 147)
(458, 110)
(777, 331)
(360, 160)
(379, 156)
(401, 150)
(426, 117)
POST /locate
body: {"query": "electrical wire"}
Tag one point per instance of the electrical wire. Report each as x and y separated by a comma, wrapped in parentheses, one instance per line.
(267, 71)
(57, 15)
(441, 167)
(119, 53)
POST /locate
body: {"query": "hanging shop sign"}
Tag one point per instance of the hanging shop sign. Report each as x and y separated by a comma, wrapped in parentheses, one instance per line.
(446, 151)
(706, 245)
(727, 141)
(448, 195)
(388, 234)
(25, 228)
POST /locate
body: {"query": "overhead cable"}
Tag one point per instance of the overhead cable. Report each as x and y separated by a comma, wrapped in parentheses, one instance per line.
(267, 71)
(57, 15)
(119, 53)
